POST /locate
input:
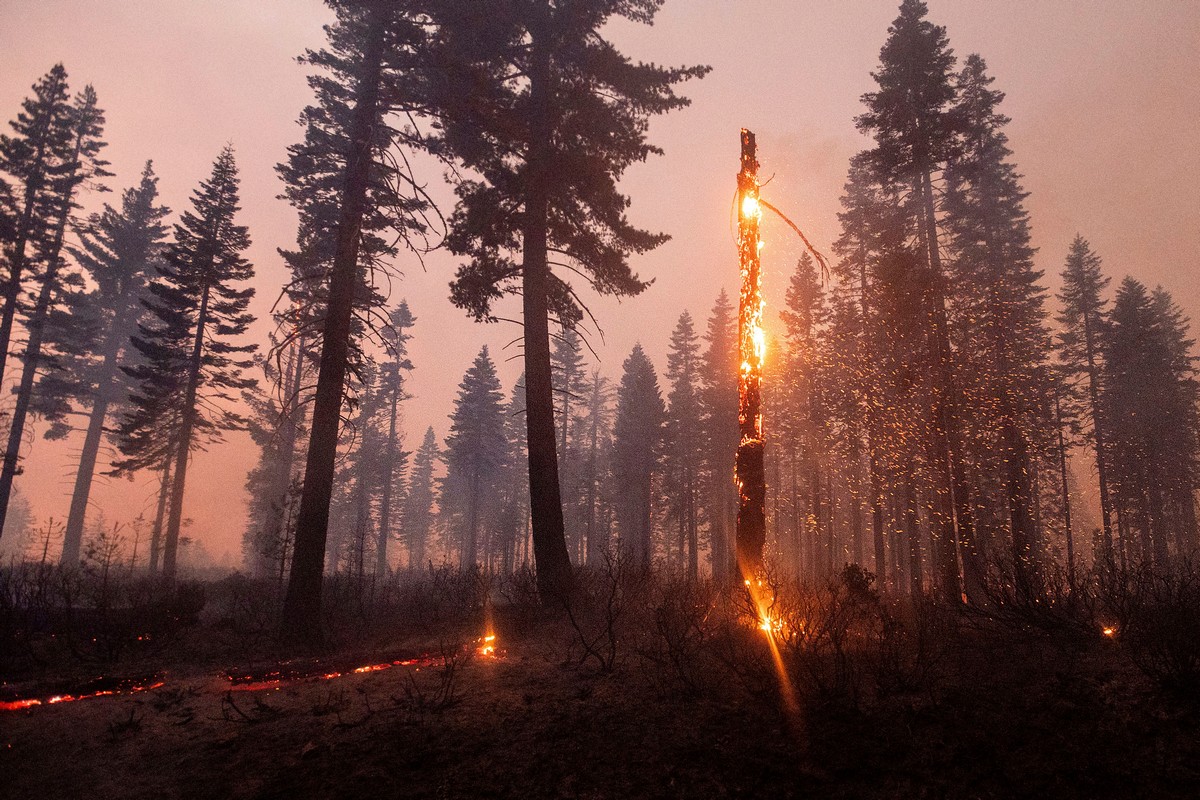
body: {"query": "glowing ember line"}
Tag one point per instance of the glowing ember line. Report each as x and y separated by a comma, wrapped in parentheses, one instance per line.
(255, 682)
(485, 647)
(30, 702)
(277, 678)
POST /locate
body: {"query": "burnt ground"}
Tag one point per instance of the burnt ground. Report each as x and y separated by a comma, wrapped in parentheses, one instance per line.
(1008, 715)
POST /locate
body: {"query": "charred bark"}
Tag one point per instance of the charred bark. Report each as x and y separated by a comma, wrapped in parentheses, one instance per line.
(749, 468)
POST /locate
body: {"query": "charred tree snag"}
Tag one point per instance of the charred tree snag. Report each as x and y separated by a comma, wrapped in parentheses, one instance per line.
(750, 478)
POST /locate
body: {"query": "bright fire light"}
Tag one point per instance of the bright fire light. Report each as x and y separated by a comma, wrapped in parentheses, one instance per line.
(750, 206)
(488, 648)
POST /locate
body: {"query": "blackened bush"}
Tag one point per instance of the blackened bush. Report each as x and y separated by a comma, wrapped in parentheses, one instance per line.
(677, 652)
(607, 610)
(1161, 628)
(828, 636)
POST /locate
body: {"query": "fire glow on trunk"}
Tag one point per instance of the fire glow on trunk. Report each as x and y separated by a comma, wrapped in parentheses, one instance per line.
(749, 473)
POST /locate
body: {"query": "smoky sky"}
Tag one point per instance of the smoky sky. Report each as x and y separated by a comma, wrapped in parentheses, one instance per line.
(1103, 96)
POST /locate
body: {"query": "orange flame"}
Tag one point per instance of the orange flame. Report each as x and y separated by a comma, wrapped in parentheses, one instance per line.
(488, 648)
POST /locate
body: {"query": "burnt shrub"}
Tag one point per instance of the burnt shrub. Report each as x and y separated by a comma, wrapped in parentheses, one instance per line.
(1159, 627)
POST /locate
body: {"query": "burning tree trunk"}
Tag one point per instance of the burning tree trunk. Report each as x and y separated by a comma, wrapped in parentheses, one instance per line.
(751, 483)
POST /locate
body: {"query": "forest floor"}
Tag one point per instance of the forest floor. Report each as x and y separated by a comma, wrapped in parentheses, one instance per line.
(1016, 717)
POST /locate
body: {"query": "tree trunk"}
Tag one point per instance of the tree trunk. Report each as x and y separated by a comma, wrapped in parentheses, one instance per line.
(595, 546)
(1089, 337)
(73, 535)
(275, 530)
(301, 616)
(17, 258)
(693, 526)
(916, 580)
(160, 515)
(36, 328)
(856, 519)
(751, 479)
(551, 559)
(184, 445)
(389, 473)
(881, 570)
(1066, 494)
(469, 555)
(953, 496)
(1024, 547)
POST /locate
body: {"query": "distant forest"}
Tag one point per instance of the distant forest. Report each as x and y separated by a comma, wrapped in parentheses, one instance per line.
(932, 412)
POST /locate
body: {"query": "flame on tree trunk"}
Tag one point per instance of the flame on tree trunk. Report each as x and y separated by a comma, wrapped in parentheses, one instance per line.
(749, 475)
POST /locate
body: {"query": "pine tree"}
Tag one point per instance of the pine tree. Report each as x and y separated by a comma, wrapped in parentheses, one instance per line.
(568, 372)
(595, 465)
(1083, 318)
(393, 458)
(684, 445)
(1150, 403)
(1180, 426)
(314, 177)
(34, 156)
(637, 448)
(999, 321)
(417, 514)
(914, 126)
(118, 251)
(513, 522)
(57, 285)
(345, 178)
(804, 317)
(191, 366)
(719, 402)
(476, 452)
(882, 370)
(547, 87)
(275, 426)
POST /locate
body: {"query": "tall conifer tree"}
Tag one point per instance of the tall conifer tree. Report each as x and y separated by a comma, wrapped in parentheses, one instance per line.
(33, 155)
(1083, 319)
(345, 179)
(549, 87)
(637, 450)
(914, 125)
(192, 365)
(719, 400)
(57, 284)
(476, 452)
(119, 250)
(417, 513)
(684, 445)
(999, 321)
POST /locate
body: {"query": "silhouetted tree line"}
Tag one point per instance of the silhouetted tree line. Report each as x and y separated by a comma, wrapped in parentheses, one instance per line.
(924, 409)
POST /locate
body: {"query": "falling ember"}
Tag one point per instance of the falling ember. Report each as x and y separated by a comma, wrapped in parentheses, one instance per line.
(750, 478)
